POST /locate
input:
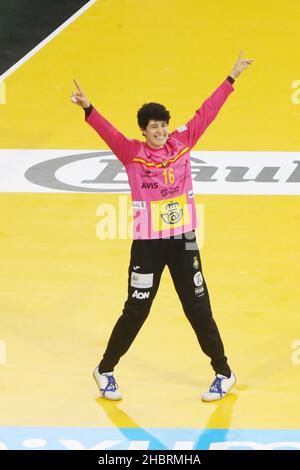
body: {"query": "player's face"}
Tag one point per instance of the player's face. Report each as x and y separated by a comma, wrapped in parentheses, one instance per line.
(156, 133)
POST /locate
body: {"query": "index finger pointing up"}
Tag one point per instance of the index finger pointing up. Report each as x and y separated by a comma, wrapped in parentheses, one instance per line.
(77, 85)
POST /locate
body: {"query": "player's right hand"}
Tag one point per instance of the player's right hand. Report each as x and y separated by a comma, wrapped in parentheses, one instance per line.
(78, 97)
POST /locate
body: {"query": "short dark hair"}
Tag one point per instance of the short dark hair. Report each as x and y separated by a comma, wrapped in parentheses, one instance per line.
(154, 111)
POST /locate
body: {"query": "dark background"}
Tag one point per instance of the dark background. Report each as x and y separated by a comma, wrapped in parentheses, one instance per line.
(25, 23)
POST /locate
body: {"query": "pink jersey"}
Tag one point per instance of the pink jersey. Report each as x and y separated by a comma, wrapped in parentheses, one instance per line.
(160, 179)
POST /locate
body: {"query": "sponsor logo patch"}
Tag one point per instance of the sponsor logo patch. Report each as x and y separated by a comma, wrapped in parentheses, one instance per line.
(173, 213)
(199, 291)
(171, 191)
(170, 213)
(182, 128)
(139, 205)
(198, 279)
(141, 295)
(149, 186)
(135, 268)
(142, 281)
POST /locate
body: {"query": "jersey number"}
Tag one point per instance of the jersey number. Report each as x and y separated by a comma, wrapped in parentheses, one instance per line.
(169, 176)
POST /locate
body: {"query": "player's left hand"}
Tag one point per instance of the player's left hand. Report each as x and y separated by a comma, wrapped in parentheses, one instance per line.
(240, 66)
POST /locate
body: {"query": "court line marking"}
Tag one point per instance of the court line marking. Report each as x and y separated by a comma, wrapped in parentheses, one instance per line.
(45, 41)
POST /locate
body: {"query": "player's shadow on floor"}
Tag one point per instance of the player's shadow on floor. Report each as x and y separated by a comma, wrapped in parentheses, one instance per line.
(214, 430)
(218, 424)
(128, 427)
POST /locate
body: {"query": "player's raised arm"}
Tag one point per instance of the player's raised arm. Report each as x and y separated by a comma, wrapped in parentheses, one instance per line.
(123, 148)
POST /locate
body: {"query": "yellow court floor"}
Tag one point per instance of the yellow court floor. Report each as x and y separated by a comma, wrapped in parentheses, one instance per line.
(62, 287)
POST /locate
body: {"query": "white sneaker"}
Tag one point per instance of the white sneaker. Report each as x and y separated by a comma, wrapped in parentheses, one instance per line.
(107, 385)
(219, 388)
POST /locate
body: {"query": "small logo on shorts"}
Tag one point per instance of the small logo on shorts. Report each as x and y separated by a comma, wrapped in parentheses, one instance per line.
(198, 279)
(199, 291)
(141, 295)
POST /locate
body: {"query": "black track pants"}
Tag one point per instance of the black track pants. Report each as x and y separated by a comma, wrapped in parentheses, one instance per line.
(148, 259)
